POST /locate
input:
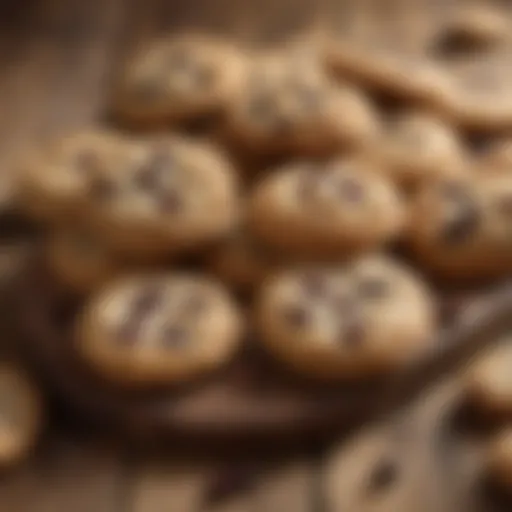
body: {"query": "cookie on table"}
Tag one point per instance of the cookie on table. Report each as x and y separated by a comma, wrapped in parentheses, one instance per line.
(489, 380)
(499, 459)
(474, 27)
(326, 209)
(174, 194)
(53, 180)
(385, 59)
(79, 260)
(288, 104)
(21, 414)
(371, 317)
(417, 146)
(462, 228)
(242, 261)
(158, 329)
(177, 79)
(478, 92)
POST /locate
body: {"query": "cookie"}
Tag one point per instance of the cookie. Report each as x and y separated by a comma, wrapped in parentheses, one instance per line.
(489, 380)
(326, 209)
(158, 329)
(462, 228)
(417, 147)
(78, 260)
(385, 59)
(289, 105)
(475, 27)
(477, 96)
(242, 261)
(370, 317)
(174, 194)
(177, 79)
(21, 414)
(499, 459)
(53, 180)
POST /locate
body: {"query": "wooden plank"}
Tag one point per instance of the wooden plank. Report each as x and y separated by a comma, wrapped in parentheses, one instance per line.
(66, 477)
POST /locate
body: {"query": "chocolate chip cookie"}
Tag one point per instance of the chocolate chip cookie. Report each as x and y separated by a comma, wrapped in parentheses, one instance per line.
(461, 228)
(21, 414)
(418, 146)
(489, 380)
(158, 329)
(174, 194)
(326, 209)
(177, 79)
(289, 105)
(369, 317)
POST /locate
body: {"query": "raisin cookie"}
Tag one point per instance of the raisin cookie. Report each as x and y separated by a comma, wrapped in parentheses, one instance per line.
(21, 414)
(418, 147)
(79, 260)
(499, 459)
(477, 96)
(370, 317)
(289, 105)
(462, 228)
(489, 380)
(54, 179)
(326, 209)
(158, 329)
(178, 79)
(174, 194)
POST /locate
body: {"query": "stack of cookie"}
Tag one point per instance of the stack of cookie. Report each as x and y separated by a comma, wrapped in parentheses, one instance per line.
(283, 191)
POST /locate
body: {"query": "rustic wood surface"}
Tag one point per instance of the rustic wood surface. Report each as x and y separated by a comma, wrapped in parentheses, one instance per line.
(55, 62)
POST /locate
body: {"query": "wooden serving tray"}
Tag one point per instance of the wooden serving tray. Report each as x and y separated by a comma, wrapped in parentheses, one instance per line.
(253, 398)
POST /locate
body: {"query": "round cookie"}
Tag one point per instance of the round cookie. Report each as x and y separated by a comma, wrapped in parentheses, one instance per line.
(174, 194)
(177, 79)
(53, 181)
(478, 93)
(462, 228)
(289, 105)
(21, 415)
(326, 209)
(158, 329)
(79, 260)
(499, 459)
(474, 27)
(370, 317)
(243, 262)
(417, 147)
(489, 380)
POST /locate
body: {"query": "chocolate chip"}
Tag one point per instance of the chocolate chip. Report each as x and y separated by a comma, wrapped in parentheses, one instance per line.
(147, 300)
(462, 227)
(454, 43)
(174, 336)
(383, 476)
(373, 288)
(149, 176)
(350, 190)
(296, 316)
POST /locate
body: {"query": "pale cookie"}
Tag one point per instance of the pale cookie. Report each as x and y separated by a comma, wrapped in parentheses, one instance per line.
(326, 209)
(176, 79)
(475, 27)
(158, 329)
(174, 194)
(386, 60)
(489, 380)
(78, 260)
(418, 147)
(54, 180)
(462, 228)
(478, 93)
(373, 316)
(289, 105)
(21, 415)
(499, 459)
